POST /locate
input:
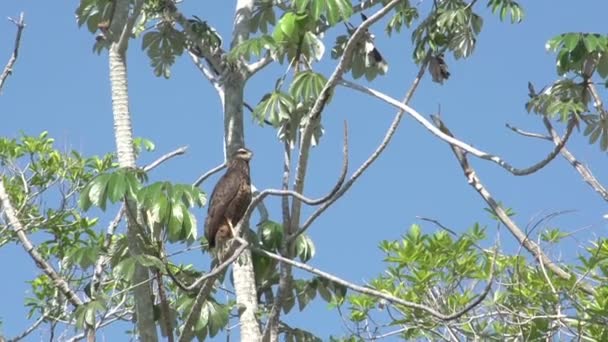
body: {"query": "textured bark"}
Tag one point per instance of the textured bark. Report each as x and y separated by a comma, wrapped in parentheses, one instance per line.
(123, 132)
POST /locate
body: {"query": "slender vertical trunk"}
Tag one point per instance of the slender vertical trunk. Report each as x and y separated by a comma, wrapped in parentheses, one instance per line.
(234, 137)
(244, 277)
(123, 131)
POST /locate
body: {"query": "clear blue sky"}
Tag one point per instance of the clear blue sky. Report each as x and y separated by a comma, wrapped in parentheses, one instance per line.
(60, 86)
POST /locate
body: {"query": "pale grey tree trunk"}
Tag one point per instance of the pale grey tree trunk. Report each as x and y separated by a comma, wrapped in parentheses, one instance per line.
(234, 137)
(123, 131)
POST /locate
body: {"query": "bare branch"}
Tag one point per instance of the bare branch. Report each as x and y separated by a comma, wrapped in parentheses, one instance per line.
(528, 134)
(529, 245)
(583, 170)
(262, 210)
(455, 142)
(165, 157)
(8, 69)
(372, 158)
(383, 295)
(42, 264)
(271, 331)
(213, 273)
(209, 173)
(253, 68)
(29, 330)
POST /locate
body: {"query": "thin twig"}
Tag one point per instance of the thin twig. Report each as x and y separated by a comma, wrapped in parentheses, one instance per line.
(475, 182)
(527, 134)
(208, 174)
(383, 295)
(8, 69)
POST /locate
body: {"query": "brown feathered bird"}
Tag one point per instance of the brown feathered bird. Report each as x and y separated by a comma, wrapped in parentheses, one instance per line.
(229, 199)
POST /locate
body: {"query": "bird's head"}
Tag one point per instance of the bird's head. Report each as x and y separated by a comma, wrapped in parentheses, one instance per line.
(242, 154)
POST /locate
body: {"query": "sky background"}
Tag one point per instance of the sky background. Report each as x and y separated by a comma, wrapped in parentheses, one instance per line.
(60, 86)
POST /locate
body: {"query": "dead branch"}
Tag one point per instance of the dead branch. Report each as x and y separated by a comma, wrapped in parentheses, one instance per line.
(529, 245)
(383, 295)
(8, 69)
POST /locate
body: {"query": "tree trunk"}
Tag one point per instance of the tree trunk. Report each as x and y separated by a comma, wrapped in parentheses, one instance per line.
(123, 131)
(234, 138)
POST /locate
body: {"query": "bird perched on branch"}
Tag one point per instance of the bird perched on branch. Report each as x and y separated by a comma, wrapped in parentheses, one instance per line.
(229, 199)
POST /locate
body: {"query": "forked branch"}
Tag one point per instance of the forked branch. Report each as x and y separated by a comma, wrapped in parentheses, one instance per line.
(521, 237)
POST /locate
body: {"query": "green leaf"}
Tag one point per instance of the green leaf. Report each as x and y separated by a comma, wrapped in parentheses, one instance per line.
(98, 191)
(125, 269)
(271, 234)
(602, 65)
(218, 317)
(305, 248)
(85, 256)
(117, 186)
(150, 261)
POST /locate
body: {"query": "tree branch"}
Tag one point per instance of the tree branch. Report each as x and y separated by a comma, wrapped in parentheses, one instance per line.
(455, 142)
(42, 264)
(529, 245)
(374, 156)
(316, 110)
(178, 152)
(8, 69)
(253, 68)
(583, 170)
(29, 330)
(383, 295)
(208, 174)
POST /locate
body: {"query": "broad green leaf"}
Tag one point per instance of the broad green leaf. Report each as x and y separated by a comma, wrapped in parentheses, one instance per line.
(125, 269)
(305, 248)
(271, 234)
(218, 317)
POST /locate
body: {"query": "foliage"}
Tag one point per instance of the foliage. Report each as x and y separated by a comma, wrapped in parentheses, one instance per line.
(447, 272)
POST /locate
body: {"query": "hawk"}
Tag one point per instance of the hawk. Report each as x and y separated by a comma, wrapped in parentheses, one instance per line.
(229, 199)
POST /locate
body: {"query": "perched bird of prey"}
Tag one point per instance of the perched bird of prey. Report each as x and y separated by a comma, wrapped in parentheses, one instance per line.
(229, 199)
